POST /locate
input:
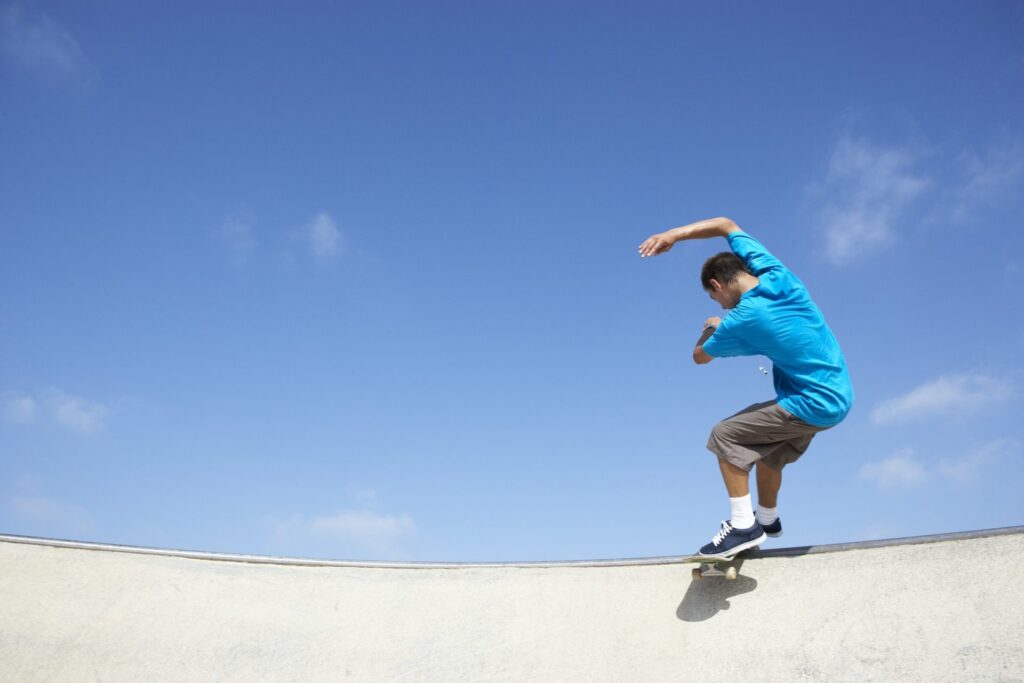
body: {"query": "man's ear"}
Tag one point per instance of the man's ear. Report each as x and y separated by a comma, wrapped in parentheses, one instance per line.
(715, 285)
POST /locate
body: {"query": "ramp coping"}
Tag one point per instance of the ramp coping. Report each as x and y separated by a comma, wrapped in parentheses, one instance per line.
(624, 562)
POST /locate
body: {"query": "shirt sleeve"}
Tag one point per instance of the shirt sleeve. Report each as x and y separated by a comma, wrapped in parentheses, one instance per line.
(728, 340)
(758, 259)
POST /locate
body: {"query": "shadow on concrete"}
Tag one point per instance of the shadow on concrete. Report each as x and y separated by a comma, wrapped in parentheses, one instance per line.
(709, 596)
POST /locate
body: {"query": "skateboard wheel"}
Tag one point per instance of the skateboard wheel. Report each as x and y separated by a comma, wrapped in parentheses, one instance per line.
(730, 573)
(695, 574)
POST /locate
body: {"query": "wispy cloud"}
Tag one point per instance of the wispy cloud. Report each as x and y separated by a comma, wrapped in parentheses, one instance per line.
(78, 414)
(944, 396)
(365, 527)
(55, 407)
(966, 470)
(324, 237)
(236, 232)
(17, 408)
(989, 176)
(865, 190)
(37, 43)
(51, 516)
(365, 496)
(361, 531)
(904, 470)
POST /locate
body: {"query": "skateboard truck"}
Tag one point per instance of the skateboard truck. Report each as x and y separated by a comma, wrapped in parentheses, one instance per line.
(728, 567)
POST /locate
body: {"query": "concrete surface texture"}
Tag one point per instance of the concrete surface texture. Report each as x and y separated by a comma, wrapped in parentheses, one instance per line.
(947, 608)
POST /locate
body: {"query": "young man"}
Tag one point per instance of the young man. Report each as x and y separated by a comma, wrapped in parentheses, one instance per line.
(770, 314)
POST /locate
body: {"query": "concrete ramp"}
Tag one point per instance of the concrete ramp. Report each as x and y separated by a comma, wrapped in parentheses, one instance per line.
(939, 608)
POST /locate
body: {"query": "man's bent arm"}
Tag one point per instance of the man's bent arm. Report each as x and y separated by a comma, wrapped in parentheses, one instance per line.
(712, 227)
(663, 241)
(700, 356)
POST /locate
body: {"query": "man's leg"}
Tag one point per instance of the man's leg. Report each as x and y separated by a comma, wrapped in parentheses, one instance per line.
(737, 483)
(737, 479)
(742, 531)
(739, 442)
(769, 437)
(769, 480)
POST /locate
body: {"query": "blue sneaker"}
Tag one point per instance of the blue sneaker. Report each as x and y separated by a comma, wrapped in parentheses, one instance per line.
(774, 529)
(729, 541)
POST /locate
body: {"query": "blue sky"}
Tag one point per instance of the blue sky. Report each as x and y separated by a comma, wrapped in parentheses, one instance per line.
(360, 280)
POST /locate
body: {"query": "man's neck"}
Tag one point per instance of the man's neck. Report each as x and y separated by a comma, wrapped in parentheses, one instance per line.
(746, 282)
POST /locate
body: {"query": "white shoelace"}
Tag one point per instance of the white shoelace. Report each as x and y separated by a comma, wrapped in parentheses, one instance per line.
(722, 533)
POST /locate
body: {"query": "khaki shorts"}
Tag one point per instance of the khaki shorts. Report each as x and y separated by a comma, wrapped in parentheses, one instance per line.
(764, 432)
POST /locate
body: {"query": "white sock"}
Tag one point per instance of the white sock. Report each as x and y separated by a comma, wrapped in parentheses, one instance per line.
(766, 515)
(742, 512)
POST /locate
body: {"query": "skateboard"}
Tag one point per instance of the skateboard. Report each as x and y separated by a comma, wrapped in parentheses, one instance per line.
(715, 566)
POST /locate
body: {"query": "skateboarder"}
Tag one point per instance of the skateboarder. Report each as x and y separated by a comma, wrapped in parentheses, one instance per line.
(770, 314)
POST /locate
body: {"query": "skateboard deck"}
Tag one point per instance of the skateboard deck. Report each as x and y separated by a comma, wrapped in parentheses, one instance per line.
(716, 566)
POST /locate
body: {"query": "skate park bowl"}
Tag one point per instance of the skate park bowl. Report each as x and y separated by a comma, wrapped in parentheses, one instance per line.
(929, 608)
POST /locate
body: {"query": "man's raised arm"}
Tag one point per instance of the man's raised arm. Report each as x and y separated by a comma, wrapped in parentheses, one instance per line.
(663, 241)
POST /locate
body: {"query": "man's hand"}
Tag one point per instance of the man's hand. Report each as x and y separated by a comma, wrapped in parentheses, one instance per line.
(657, 244)
(713, 323)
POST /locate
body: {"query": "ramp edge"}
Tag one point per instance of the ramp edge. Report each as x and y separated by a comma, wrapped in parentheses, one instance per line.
(624, 562)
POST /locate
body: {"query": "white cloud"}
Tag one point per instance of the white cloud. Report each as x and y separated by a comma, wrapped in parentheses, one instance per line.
(904, 470)
(43, 47)
(18, 408)
(236, 232)
(966, 470)
(363, 526)
(900, 471)
(54, 406)
(360, 532)
(324, 236)
(947, 395)
(78, 414)
(988, 177)
(53, 516)
(862, 196)
(362, 495)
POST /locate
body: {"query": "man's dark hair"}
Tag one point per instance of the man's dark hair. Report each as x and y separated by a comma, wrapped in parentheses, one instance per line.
(724, 267)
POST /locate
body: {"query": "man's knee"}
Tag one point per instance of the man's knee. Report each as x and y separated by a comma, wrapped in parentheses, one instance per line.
(719, 438)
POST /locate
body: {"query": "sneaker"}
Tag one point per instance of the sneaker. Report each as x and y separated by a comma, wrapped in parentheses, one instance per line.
(729, 541)
(774, 529)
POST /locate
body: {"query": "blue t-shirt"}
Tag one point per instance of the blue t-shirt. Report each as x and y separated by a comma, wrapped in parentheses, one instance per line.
(779, 320)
